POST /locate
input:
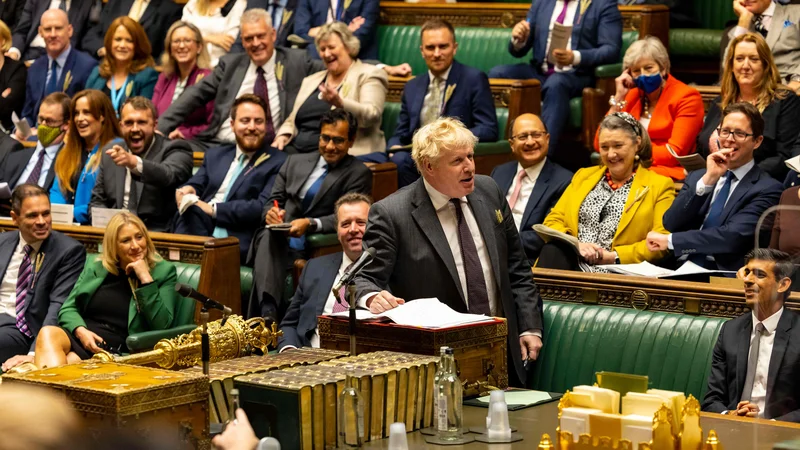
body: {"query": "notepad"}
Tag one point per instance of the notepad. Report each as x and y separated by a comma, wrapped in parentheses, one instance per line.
(689, 162)
(520, 397)
(279, 226)
(645, 269)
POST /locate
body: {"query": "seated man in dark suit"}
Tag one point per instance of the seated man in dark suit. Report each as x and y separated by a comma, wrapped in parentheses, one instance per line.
(39, 267)
(70, 66)
(756, 365)
(313, 296)
(155, 16)
(33, 165)
(448, 88)
(451, 235)
(281, 71)
(304, 196)
(29, 43)
(232, 186)
(563, 72)
(713, 220)
(533, 184)
(142, 175)
(361, 16)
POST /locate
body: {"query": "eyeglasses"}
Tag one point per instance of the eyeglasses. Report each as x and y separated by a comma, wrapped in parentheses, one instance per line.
(337, 141)
(738, 135)
(536, 135)
(186, 42)
(50, 122)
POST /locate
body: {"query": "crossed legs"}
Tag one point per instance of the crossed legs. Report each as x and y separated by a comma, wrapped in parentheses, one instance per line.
(53, 348)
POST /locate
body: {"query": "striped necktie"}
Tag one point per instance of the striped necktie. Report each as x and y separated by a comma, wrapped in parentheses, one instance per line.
(24, 279)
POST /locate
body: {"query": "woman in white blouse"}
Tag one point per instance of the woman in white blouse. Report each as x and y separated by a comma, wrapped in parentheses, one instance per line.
(219, 22)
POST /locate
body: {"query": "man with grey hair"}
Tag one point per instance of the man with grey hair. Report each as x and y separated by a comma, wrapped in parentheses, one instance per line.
(270, 72)
(451, 235)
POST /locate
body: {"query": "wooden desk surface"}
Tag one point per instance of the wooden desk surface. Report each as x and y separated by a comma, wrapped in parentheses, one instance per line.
(734, 433)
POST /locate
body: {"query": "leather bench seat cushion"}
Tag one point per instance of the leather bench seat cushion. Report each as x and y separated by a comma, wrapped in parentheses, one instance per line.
(673, 350)
(694, 42)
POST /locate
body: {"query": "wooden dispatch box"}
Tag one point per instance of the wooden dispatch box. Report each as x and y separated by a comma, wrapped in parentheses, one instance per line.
(480, 349)
(141, 399)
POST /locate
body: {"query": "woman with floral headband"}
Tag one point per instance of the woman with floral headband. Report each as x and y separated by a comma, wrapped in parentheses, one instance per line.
(610, 208)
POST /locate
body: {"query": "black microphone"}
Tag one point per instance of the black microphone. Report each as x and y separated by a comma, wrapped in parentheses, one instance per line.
(365, 258)
(187, 291)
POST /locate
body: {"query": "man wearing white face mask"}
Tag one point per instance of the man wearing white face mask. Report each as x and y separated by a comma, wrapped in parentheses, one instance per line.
(671, 111)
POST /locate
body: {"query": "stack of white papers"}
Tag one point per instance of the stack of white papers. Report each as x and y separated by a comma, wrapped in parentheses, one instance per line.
(423, 313)
(645, 269)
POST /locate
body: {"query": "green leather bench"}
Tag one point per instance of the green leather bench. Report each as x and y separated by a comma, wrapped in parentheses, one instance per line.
(673, 350)
(183, 322)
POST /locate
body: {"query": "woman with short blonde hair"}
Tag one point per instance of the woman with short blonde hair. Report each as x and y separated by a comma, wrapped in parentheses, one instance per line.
(128, 289)
(346, 83)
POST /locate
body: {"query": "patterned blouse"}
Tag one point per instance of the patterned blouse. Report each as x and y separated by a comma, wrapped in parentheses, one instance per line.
(599, 217)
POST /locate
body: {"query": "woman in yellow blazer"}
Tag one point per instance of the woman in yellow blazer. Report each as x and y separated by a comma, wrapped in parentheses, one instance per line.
(611, 208)
(346, 83)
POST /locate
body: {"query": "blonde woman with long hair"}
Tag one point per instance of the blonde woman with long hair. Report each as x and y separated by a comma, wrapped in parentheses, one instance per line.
(93, 126)
(750, 75)
(127, 289)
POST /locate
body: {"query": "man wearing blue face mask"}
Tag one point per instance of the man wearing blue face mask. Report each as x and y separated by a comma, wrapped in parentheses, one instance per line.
(671, 111)
(33, 165)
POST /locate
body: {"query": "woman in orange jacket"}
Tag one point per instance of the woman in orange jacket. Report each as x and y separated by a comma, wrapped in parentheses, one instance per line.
(671, 111)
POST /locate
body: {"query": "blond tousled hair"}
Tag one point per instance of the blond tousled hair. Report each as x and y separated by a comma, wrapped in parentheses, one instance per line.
(109, 256)
(443, 134)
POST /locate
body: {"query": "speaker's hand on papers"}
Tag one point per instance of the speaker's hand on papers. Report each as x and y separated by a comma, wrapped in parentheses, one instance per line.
(747, 409)
(563, 56)
(657, 242)
(530, 346)
(384, 301)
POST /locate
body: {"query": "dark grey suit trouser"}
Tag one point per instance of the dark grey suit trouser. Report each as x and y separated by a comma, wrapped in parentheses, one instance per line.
(271, 259)
(12, 341)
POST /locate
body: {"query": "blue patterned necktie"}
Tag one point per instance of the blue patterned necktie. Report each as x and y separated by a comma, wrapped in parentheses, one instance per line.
(218, 231)
(714, 218)
(300, 243)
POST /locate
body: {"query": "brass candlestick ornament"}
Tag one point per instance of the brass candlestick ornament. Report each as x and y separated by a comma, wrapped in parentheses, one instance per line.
(237, 338)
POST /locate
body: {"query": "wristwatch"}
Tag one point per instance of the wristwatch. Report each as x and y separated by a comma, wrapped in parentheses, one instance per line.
(616, 258)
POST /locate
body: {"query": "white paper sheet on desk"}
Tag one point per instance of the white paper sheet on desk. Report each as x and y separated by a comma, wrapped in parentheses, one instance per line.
(645, 269)
(521, 397)
(423, 313)
(187, 201)
(101, 216)
(62, 214)
(559, 38)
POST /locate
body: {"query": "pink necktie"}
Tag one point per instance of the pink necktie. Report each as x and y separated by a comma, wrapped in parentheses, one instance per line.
(344, 305)
(517, 188)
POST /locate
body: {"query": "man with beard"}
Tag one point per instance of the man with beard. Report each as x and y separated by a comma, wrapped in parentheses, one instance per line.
(141, 175)
(755, 366)
(304, 197)
(226, 196)
(38, 268)
(313, 296)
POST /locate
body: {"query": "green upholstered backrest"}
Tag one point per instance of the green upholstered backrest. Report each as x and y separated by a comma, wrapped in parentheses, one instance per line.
(391, 111)
(713, 14)
(628, 38)
(482, 48)
(695, 42)
(673, 350)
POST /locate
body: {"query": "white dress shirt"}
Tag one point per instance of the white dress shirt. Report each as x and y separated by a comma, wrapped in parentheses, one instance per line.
(759, 393)
(49, 156)
(215, 23)
(219, 197)
(319, 169)
(38, 41)
(446, 212)
(528, 184)
(61, 60)
(766, 20)
(137, 171)
(137, 9)
(569, 19)
(331, 299)
(248, 86)
(8, 287)
(332, 5)
(701, 189)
